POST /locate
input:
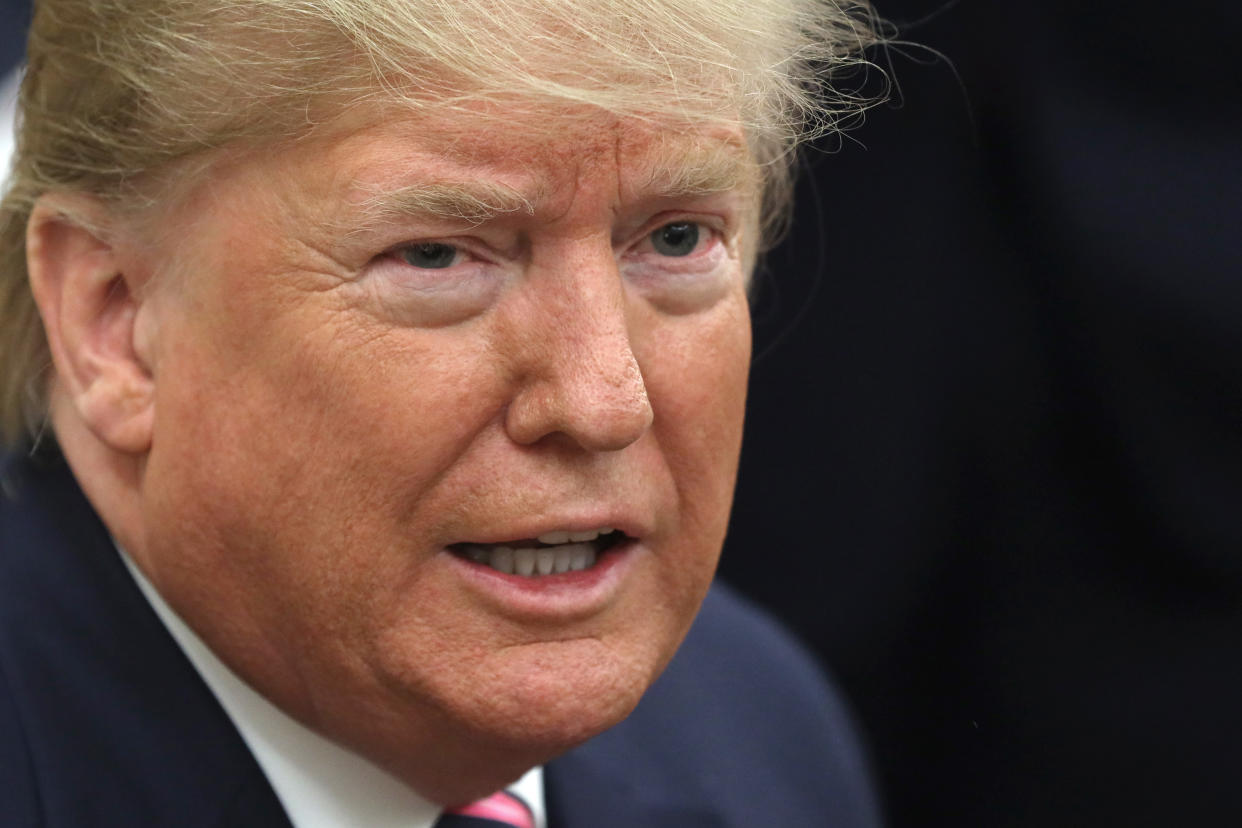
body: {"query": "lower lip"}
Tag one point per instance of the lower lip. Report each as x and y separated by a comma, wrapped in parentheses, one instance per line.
(569, 593)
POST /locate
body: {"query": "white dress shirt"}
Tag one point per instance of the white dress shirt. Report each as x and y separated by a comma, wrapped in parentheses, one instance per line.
(319, 783)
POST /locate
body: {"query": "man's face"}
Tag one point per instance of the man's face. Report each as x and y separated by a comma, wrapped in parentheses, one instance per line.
(390, 352)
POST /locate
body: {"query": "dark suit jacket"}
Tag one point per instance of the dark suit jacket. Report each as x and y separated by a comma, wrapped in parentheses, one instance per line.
(103, 721)
(14, 20)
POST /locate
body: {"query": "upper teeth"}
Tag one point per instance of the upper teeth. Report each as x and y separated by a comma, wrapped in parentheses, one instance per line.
(571, 537)
(573, 551)
(565, 557)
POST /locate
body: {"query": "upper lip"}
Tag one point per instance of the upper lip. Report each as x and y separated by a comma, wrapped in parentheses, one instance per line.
(517, 531)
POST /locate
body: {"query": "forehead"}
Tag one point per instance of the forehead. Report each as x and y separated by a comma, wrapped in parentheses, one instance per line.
(538, 163)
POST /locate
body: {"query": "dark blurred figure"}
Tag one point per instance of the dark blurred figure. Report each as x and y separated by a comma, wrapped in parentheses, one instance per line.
(14, 20)
(999, 484)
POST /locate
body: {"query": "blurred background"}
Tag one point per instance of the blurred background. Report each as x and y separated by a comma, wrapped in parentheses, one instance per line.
(993, 462)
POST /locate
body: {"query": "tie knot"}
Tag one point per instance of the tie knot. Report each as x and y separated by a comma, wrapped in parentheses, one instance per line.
(500, 810)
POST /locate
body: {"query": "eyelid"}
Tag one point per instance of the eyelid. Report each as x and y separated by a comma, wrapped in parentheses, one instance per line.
(716, 226)
(469, 252)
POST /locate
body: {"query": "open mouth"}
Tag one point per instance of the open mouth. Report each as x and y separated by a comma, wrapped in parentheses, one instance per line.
(552, 553)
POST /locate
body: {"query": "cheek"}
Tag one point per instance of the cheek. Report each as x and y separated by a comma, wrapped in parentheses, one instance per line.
(696, 371)
(334, 390)
(286, 492)
(298, 448)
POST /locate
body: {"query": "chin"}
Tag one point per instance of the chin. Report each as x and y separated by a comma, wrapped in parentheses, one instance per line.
(538, 700)
(560, 716)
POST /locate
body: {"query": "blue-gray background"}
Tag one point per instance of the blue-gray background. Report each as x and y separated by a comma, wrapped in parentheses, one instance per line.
(14, 18)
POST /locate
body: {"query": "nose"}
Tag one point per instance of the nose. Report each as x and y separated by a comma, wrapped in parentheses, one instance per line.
(580, 379)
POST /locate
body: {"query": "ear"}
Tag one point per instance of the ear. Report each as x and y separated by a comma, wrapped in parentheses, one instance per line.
(93, 319)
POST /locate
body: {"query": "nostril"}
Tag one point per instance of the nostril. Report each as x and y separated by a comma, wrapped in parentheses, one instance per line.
(620, 424)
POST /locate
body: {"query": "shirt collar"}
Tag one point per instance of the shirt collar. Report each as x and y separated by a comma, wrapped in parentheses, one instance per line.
(319, 783)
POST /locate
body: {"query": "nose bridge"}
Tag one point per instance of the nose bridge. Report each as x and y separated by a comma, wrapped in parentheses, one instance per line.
(583, 379)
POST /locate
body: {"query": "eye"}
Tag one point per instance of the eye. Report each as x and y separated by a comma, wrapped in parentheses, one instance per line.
(430, 255)
(677, 239)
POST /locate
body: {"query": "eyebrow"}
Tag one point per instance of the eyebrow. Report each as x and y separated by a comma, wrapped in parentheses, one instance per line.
(701, 171)
(474, 202)
(679, 172)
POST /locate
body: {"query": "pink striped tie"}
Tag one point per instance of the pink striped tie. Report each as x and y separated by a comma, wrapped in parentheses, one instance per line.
(500, 810)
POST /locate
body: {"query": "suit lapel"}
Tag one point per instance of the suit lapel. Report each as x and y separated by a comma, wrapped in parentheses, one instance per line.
(591, 788)
(120, 728)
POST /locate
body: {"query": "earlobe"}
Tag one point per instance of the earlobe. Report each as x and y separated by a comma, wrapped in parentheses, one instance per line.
(91, 311)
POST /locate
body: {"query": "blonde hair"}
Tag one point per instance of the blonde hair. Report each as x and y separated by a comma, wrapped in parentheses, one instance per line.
(118, 91)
